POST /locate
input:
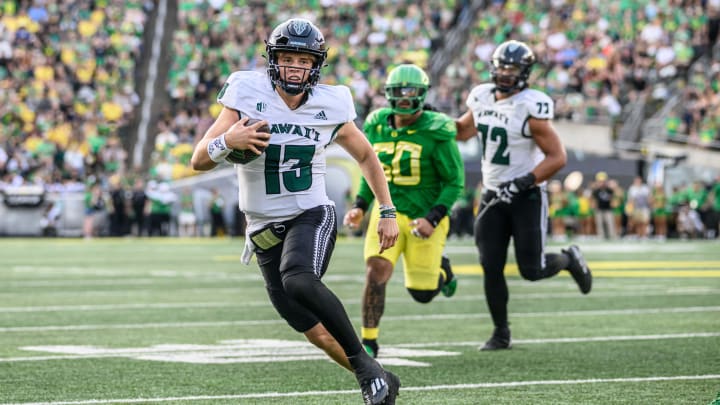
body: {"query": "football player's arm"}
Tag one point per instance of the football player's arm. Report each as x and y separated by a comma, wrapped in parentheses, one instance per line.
(548, 141)
(365, 196)
(465, 126)
(230, 133)
(354, 142)
(363, 199)
(451, 170)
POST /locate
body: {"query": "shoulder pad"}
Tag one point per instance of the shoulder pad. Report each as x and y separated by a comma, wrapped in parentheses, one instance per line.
(376, 117)
(538, 104)
(442, 126)
(479, 94)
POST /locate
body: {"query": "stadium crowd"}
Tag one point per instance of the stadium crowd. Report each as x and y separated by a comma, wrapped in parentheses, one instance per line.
(67, 74)
(67, 69)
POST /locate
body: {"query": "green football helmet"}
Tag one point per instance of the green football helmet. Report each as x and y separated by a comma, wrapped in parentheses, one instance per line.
(407, 82)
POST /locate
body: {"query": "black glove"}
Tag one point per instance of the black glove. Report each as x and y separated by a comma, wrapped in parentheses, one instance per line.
(508, 190)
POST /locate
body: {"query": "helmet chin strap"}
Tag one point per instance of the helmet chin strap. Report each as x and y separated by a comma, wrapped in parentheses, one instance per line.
(293, 89)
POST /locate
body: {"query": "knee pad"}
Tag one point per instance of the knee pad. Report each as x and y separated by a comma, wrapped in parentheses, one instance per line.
(299, 285)
(423, 296)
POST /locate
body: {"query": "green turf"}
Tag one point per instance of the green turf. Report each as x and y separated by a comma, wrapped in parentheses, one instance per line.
(111, 321)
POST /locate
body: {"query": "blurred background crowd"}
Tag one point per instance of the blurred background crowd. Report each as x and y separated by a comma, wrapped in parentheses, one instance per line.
(70, 74)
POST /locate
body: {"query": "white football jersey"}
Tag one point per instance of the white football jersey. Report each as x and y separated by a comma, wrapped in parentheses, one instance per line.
(509, 150)
(289, 177)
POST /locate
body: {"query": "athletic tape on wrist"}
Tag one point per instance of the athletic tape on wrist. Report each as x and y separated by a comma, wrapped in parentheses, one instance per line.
(217, 149)
(387, 211)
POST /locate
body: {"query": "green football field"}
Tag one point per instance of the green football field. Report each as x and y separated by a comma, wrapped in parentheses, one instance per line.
(141, 321)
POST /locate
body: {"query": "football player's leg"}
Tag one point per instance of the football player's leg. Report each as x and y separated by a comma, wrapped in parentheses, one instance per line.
(529, 233)
(320, 337)
(492, 237)
(379, 269)
(424, 275)
(308, 244)
(298, 317)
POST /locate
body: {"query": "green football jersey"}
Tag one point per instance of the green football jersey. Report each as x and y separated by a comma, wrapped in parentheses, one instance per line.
(422, 162)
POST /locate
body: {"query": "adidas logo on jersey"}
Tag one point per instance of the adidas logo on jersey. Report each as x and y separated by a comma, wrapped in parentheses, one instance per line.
(321, 116)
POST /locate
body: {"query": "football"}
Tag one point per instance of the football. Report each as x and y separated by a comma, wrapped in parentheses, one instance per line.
(243, 156)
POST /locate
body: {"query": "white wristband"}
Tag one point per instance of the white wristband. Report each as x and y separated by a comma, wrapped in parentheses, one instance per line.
(217, 149)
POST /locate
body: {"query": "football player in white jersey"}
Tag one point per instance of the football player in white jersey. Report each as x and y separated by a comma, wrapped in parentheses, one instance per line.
(521, 150)
(291, 221)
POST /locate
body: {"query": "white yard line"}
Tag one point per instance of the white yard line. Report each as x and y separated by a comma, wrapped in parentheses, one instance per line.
(159, 280)
(116, 307)
(619, 338)
(241, 304)
(420, 317)
(405, 345)
(354, 392)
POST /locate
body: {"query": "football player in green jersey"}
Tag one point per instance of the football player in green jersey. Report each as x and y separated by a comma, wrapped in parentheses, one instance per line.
(425, 174)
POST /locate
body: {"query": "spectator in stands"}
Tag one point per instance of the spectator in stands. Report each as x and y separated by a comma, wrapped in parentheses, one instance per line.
(138, 201)
(697, 198)
(638, 206)
(161, 202)
(95, 210)
(119, 221)
(660, 211)
(186, 217)
(217, 217)
(713, 202)
(618, 205)
(602, 198)
(558, 210)
(68, 72)
(585, 212)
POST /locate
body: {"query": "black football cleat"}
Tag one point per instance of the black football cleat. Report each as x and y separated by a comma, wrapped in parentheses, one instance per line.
(371, 378)
(371, 347)
(499, 340)
(374, 391)
(451, 282)
(579, 269)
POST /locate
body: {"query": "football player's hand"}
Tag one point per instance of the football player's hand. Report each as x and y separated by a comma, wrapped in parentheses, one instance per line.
(242, 137)
(507, 191)
(422, 228)
(388, 232)
(353, 218)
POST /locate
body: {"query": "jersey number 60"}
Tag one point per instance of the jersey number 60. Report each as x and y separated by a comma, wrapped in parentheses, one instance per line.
(404, 169)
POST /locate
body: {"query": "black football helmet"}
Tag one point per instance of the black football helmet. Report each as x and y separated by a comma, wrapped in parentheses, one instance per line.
(512, 56)
(295, 35)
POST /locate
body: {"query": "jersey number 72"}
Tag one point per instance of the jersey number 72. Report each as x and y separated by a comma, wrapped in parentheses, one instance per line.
(499, 136)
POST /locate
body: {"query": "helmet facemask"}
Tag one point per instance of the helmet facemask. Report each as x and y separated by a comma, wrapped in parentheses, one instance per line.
(406, 99)
(309, 77)
(406, 89)
(298, 36)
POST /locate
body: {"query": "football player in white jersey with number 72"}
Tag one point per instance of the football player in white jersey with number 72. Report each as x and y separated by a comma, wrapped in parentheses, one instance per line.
(521, 150)
(291, 221)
